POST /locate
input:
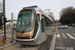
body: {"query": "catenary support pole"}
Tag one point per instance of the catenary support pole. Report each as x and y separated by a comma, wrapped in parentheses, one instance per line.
(4, 17)
(12, 27)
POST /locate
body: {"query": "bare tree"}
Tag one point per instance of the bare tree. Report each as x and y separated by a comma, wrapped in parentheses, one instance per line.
(65, 10)
(67, 15)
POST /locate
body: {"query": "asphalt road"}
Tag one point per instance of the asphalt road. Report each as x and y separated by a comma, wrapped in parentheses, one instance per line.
(65, 39)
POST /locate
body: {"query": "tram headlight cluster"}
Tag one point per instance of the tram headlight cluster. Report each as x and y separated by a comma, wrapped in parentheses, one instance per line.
(25, 37)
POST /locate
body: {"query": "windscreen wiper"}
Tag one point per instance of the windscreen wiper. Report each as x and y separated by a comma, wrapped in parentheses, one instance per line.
(26, 27)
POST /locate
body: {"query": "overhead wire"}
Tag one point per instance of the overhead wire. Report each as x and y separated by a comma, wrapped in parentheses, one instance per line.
(44, 3)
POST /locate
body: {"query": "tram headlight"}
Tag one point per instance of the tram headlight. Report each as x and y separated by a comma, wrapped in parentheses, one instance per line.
(17, 37)
(30, 37)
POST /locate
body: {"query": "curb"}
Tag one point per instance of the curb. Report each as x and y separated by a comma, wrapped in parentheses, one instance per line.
(2, 47)
(53, 42)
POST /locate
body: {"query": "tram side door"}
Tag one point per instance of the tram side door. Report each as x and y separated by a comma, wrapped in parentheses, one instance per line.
(43, 28)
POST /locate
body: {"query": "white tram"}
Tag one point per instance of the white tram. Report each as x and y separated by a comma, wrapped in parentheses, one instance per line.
(33, 26)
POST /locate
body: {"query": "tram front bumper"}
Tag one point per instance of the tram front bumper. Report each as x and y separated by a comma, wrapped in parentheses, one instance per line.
(23, 40)
(28, 41)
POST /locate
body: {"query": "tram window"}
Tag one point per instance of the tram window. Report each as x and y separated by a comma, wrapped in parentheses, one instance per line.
(38, 17)
(48, 22)
(42, 25)
(36, 23)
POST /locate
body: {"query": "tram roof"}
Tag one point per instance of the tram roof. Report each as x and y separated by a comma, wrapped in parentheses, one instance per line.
(38, 10)
(41, 11)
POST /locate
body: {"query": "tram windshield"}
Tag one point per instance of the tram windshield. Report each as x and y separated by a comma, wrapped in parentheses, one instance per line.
(25, 22)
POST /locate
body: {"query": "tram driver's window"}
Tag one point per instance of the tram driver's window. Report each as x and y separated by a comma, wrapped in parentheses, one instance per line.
(36, 23)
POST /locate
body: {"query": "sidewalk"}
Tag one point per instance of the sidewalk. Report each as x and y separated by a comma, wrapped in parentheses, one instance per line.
(2, 44)
(1, 38)
(7, 43)
(8, 38)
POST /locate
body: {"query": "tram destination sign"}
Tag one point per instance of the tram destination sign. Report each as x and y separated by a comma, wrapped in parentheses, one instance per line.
(26, 11)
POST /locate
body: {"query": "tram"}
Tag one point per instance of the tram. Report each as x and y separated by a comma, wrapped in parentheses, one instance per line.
(33, 26)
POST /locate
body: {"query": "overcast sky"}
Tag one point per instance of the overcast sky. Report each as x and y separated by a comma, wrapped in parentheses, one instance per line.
(55, 6)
